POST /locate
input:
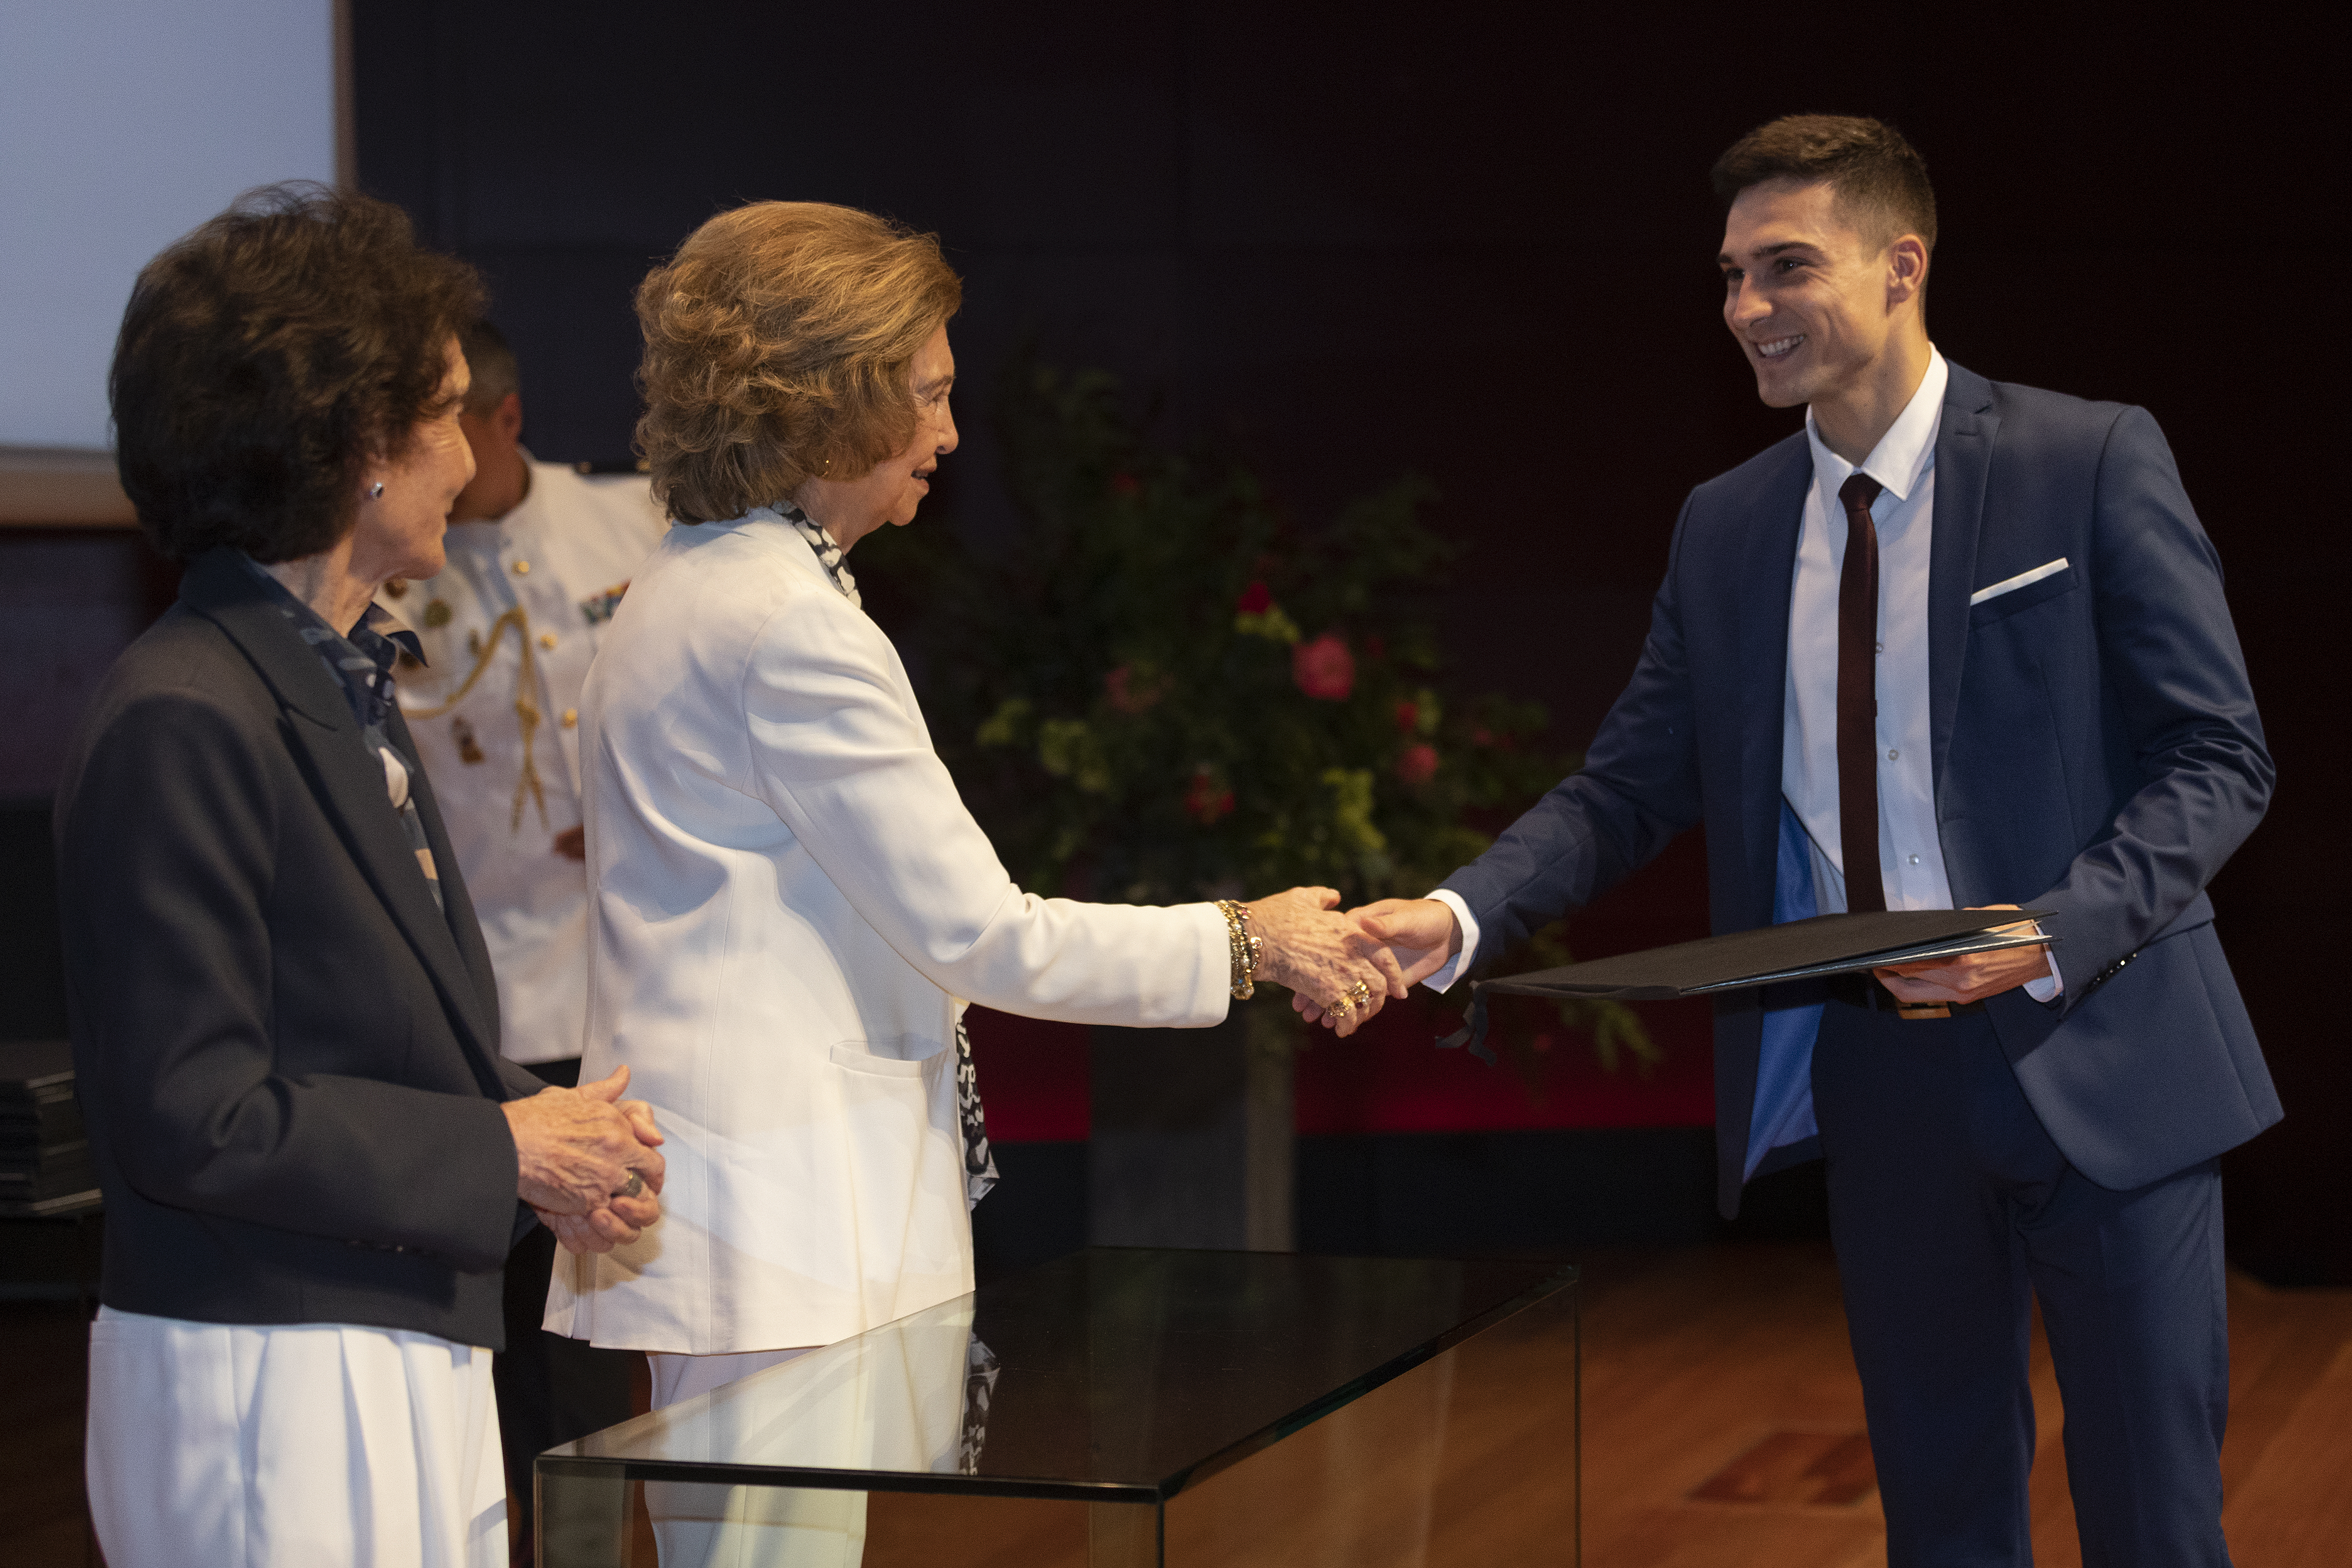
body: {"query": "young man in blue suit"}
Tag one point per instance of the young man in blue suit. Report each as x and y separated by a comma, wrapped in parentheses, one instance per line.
(1957, 643)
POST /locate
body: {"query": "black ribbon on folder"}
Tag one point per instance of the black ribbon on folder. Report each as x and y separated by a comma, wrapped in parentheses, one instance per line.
(1769, 955)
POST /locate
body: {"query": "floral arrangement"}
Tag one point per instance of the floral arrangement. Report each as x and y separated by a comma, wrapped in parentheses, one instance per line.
(1166, 690)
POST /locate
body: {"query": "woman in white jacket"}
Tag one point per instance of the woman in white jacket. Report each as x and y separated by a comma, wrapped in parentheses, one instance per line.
(793, 905)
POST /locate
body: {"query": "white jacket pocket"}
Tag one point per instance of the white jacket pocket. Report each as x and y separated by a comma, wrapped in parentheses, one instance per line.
(858, 1057)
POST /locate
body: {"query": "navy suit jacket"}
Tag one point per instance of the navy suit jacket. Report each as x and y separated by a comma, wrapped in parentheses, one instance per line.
(287, 1054)
(2097, 754)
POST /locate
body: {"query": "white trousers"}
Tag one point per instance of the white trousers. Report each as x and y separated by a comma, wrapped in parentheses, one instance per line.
(291, 1445)
(698, 1526)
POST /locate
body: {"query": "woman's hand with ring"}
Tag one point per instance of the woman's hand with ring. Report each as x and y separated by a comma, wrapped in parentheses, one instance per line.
(1318, 952)
(577, 1150)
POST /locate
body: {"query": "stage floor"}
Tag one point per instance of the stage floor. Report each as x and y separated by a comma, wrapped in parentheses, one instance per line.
(1722, 1422)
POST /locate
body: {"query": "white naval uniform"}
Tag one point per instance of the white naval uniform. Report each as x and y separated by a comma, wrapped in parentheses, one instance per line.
(535, 587)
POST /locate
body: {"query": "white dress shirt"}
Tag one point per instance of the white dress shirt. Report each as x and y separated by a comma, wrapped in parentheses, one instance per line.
(1910, 856)
(1910, 853)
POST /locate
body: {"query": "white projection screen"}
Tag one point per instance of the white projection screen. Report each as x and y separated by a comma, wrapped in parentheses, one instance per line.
(124, 124)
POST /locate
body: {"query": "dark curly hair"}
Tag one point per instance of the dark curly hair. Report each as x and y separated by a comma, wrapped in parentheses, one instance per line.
(266, 357)
(777, 342)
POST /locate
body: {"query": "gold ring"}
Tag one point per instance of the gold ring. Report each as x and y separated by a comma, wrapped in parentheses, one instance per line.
(1341, 1007)
(1359, 993)
(636, 1184)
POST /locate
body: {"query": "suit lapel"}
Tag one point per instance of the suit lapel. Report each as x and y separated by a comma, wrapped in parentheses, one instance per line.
(351, 789)
(1964, 443)
(1777, 510)
(460, 921)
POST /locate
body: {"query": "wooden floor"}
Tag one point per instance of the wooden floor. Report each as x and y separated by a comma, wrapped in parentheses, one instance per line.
(1722, 1422)
(1730, 1366)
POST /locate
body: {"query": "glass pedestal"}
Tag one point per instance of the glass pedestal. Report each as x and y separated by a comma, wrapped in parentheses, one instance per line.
(1124, 1408)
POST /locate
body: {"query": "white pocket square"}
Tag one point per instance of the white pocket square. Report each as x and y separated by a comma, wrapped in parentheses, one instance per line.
(2023, 579)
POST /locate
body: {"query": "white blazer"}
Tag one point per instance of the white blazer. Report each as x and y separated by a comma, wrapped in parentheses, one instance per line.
(790, 900)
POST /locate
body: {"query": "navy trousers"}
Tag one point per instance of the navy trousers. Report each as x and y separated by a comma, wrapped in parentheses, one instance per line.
(1950, 1210)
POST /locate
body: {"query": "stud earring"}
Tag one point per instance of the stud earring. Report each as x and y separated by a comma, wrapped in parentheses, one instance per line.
(375, 491)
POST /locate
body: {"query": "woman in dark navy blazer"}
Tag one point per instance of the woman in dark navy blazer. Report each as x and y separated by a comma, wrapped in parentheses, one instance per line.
(285, 1030)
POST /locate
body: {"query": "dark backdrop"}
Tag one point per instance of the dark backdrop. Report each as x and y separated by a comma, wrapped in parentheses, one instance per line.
(1477, 243)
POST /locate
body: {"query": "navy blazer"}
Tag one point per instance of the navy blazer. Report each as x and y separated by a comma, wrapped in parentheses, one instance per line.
(288, 1055)
(2096, 753)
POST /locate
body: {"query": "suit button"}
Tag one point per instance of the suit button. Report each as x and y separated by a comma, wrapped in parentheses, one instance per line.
(571, 717)
(1893, 756)
(522, 568)
(547, 639)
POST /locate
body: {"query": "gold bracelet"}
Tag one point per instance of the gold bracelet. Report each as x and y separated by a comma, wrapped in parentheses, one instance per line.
(1245, 949)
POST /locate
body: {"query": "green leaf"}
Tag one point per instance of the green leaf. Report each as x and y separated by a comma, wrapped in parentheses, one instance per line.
(1005, 727)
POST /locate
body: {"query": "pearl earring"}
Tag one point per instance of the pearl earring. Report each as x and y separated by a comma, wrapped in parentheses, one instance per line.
(375, 491)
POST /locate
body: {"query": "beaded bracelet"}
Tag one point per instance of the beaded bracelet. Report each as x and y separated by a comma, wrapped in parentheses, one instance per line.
(1247, 947)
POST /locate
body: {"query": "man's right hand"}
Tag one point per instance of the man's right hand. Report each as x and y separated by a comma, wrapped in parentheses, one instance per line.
(1421, 934)
(576, 1150)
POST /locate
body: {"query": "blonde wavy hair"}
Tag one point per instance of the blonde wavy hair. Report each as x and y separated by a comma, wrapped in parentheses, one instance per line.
(777, 342)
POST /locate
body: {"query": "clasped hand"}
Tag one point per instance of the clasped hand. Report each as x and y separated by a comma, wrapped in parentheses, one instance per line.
(1323, 958)
(577, 1150)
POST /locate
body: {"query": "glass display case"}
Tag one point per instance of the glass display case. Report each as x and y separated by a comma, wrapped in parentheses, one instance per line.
(1124, 1408)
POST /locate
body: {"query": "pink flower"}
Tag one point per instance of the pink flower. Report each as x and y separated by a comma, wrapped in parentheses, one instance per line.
(1128, 695)
(1205, 800)
(1324, 668)
(1407, 715)
(1256, 600)
(1417, 764)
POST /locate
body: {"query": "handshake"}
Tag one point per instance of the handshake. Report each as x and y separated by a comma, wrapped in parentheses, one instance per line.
(586, 1161)
(1340, 967)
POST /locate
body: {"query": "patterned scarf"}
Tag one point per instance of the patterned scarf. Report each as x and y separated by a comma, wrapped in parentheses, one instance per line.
(980, 1369)
(362, 665)
(829, 555)
(979, 1160)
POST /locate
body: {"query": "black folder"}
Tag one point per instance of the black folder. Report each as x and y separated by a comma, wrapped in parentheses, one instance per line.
(1769, 955)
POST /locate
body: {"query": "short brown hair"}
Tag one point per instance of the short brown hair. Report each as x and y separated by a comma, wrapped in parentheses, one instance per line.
(777, 342)
(266, 357)
(1880, 179)
(491, 360)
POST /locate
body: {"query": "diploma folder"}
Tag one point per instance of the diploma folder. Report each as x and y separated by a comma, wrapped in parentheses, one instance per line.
(1769, 955)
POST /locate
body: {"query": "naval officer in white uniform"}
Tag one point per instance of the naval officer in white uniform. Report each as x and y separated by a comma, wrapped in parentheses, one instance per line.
(538, 557)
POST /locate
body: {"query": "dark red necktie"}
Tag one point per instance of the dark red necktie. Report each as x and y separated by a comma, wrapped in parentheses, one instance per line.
(1857, 699)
